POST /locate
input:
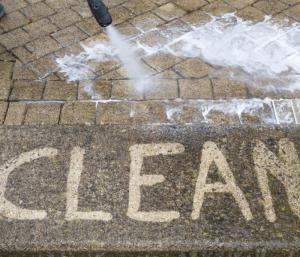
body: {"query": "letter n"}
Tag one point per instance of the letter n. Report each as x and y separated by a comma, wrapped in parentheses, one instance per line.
(285, 167)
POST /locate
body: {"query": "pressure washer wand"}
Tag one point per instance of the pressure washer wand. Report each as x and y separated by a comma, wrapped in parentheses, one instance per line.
(100, 12)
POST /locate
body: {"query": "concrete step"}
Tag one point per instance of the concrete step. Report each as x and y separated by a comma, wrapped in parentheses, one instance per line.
(150, 188)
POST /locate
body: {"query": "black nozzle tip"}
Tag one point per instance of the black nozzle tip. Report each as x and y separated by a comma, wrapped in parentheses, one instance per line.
(100, 12)
(106, 22)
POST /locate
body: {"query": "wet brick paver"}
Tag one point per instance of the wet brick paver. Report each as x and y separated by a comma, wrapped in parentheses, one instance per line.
(34, 33)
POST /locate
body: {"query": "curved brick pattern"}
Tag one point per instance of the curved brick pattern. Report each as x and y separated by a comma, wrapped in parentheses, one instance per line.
(152, 188)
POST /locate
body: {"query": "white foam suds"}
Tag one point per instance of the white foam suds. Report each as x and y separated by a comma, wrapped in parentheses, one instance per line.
(283, 112)
(239, 107)
(264, 51)
(263, 54)
(74, 67)
(261, 108)
(90, 91)
(77, 68)
(172, 112)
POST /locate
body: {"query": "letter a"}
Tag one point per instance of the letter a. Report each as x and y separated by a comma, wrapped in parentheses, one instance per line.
(211, 154)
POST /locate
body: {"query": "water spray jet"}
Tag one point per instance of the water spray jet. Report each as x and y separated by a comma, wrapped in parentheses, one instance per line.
(100, 12)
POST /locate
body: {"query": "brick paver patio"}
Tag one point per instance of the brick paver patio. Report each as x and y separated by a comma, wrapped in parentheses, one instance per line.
(32, 91)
